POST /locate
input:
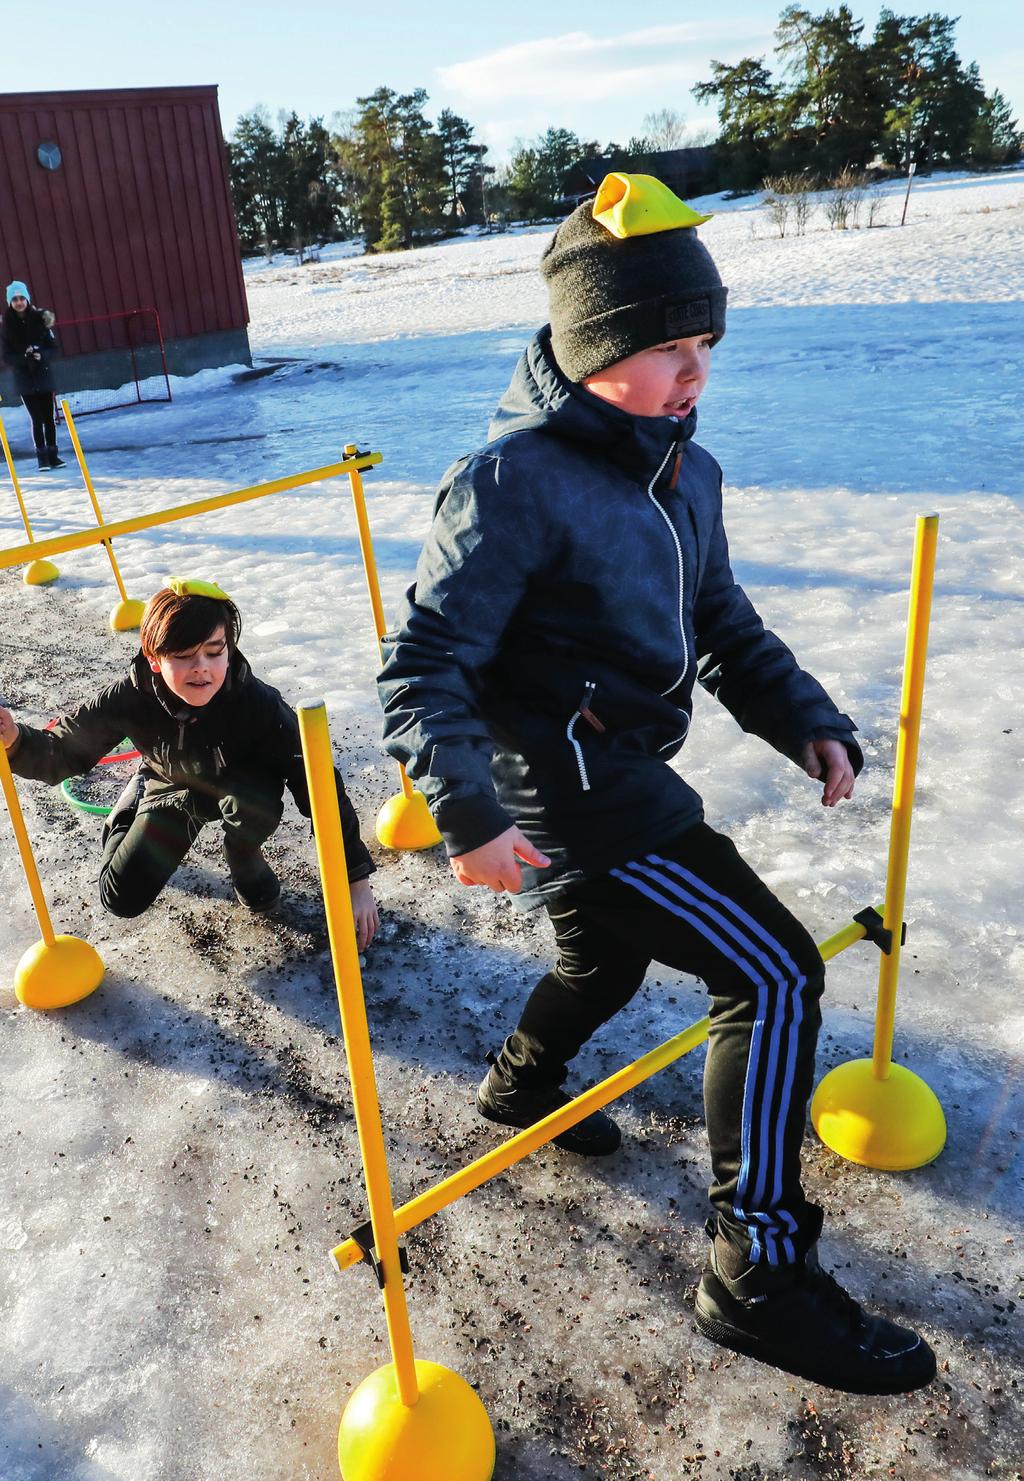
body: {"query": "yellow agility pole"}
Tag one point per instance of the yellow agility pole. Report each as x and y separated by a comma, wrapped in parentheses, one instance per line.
(872, 1111)
(404, 822)
(100, 534)
(58, 970)
(37, 572)
(410, 1420)
(499, 1159)
(127, 614)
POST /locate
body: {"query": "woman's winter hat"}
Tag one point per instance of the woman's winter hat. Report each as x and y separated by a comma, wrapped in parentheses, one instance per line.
(627, 271)
(18, 290)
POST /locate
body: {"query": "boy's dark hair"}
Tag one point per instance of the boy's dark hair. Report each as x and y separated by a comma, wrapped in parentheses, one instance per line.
(174, 624)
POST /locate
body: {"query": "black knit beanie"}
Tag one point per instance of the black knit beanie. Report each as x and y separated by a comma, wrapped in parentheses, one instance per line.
(612, 296)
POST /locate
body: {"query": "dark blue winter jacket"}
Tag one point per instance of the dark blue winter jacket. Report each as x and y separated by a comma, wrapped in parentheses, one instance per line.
(574, 584)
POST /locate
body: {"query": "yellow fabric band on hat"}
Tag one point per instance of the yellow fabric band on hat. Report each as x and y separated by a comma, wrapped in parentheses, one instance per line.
(640, 205)
(191, 588)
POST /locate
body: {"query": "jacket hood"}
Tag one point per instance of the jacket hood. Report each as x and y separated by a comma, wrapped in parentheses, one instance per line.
(146, 682)
(540, 397)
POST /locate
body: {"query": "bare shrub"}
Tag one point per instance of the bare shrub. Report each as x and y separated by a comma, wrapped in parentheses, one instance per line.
(843, 205)
(777, 207)
(789, 196)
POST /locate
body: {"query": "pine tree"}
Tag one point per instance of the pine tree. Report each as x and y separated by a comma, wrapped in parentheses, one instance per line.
(257, 175)
(931, 101)
(311, 186)
(750, 112)
(995, 138)
(464, 169)
(834, 115)
(536, 172)
(397, 161)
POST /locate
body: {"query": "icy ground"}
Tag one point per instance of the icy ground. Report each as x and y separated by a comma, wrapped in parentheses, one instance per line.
(178, 1150)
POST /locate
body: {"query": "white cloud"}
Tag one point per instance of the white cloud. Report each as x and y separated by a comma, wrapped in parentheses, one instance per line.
(656, 62)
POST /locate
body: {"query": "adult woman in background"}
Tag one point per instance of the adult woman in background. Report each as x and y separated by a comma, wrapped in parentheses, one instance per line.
(29, 343)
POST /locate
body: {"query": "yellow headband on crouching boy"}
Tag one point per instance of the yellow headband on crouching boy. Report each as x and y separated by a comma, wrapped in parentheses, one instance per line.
(189, 587)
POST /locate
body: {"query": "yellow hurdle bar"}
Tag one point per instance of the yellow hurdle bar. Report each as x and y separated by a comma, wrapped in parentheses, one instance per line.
(447, 1192)
(330, 849)
(372, 578)
(99, 534)
(14, 478)
(87, 480)
(35, 887)
(921, 583)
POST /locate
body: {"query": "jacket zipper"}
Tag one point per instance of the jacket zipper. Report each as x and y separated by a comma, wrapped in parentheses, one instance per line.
(582, 711)
(679, 564)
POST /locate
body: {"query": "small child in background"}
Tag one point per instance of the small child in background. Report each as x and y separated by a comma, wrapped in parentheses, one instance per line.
(28, 344)
(217, 743)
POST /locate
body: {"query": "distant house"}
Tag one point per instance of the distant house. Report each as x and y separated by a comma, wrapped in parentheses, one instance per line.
(117, 213)
(686, 171)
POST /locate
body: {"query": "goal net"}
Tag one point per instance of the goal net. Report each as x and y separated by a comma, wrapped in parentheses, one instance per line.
(113, 360)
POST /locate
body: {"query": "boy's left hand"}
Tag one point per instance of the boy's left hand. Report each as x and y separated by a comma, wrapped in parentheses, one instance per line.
(364, 912)
(829, 761)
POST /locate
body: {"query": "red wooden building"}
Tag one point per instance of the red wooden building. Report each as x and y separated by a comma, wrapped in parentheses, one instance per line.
(115, 201)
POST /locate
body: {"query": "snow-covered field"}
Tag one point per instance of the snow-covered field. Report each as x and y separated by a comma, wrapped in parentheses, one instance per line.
(178, 1150)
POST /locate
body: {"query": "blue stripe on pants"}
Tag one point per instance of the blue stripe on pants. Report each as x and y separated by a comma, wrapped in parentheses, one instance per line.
(794, 990)
(761, 1154)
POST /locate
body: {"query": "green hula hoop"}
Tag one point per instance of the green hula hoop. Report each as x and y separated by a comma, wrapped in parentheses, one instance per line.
(96, 809)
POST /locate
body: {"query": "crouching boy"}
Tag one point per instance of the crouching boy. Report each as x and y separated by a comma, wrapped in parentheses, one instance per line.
(217, 744)
(574, 584)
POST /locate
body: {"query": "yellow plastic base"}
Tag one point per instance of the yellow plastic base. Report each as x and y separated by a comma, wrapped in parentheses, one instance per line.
(892, 1124)
(445, 1436)
(127, 616)
(39, 573)
(54, 976)
(405, 823)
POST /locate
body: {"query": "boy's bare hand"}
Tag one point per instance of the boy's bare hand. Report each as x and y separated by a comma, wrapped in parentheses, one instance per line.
(364, 912)
(496, 864)
(8, 728)
(829, 761)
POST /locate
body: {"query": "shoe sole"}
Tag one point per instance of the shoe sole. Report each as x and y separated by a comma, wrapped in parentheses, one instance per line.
(562, 1141)
(262, 907)
(735, 1338)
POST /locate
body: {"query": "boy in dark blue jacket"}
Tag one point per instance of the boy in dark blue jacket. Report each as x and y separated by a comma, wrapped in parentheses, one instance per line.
(574, 584)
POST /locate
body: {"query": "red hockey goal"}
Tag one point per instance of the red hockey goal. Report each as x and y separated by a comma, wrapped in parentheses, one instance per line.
(114, 360)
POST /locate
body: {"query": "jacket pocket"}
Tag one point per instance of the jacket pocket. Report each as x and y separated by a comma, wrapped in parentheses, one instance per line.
(585, 713)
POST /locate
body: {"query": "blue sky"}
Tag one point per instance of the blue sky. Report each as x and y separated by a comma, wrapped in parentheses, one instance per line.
(511, 69)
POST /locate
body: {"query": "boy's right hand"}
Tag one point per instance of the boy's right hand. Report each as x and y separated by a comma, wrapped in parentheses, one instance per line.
(8, 728)
(496, 864)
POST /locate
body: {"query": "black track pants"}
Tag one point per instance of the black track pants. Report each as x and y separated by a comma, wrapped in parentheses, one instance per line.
(698, 907)
(142, 849)
(40, 409)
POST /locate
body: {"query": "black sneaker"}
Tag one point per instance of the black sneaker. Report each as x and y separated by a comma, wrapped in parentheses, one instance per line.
(502, 1100)
(56, 461)
(255, 883)
(800, 1319)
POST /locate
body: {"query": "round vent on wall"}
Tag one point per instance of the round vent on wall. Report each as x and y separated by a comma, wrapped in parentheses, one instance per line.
(49, 156)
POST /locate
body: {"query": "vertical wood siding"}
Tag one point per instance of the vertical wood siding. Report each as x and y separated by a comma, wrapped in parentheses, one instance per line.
(138, 215)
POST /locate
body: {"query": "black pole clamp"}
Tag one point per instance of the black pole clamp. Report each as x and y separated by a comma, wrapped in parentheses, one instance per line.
(360, 452)
(874, 930)
(363, 1237)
